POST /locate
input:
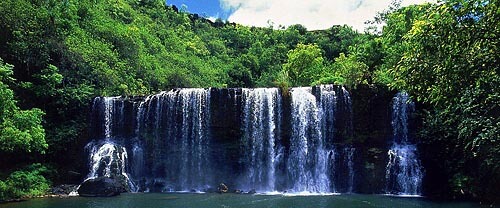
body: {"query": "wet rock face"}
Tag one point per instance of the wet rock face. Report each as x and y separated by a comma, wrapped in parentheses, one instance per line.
(101, 187)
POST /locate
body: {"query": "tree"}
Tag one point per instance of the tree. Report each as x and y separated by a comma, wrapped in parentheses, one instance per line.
(20, 130)
(398, 24)
(451, 62)
(449, 50)
(304, 64)
(353, 71)
(346, 70)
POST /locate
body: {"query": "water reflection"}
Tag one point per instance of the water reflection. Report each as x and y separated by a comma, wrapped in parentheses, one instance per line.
(233, 200)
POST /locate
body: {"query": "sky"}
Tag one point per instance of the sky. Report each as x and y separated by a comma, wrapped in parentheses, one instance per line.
(313, 14)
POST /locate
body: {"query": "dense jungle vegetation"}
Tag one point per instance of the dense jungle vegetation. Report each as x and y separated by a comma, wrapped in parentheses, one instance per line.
(56, 55)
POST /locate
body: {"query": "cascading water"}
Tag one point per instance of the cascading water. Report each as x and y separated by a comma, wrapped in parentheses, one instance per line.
(261, 122)
(138, 160)
(328, 107)
(308, 160)
(178, 120)
(327, 112)
(404, 172)
(349, 160)
(107, 158)
(335, 109)
(348, 151)
(165, 142)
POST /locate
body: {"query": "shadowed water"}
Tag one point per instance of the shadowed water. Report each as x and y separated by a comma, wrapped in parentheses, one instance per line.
(232, 200)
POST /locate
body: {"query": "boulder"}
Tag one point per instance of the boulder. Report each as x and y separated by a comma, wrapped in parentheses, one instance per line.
(101, 187)
(222, 188)
(63, 189)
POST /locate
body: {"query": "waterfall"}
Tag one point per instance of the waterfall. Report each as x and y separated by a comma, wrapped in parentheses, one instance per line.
(178, 120)
(308, 159)
(403, 172)
(107, 158)
(313, 162)
(138, 160)
(335, 109)
(261, 122)
(106, 153)
(345, 107)
(250, 139)
(328, 107)
(327, 112)
(349, 160)
(111, 111)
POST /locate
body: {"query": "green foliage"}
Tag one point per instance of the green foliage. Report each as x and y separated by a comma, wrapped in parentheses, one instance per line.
(28, 182)
(449, 58)
(349, 70)
(369, 50)
(333, 41)
(398, 24)
(3, 190)
(240, 76)
(49, 79)
(19, 129)
(449, 50)
(304, 64)
(382, 77)
(283, 82)
(332, 79)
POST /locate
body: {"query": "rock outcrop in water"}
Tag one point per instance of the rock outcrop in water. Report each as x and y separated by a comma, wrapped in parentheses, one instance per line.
(101, 187)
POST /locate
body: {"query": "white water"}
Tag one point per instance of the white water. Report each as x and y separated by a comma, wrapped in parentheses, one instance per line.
(261, 118)
(179, 121)
(328, 109)
(107, 158)
(309, 160)
(403, 172)
(195, 117)
(172, 132)
(349, 158)
(404, 166)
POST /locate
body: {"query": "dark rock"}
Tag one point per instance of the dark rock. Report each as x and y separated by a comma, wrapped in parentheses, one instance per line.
(252, 191)
(101, 187)
(63, 189)
(158, 186)
(222, 188)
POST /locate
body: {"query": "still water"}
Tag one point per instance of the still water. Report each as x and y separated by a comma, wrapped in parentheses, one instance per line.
(156, 200)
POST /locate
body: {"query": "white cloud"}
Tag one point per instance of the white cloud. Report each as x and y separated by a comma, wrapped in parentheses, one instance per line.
(213, 19)
(313, 14)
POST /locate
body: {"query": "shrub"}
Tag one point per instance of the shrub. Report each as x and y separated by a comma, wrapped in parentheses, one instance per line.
(28, 182)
